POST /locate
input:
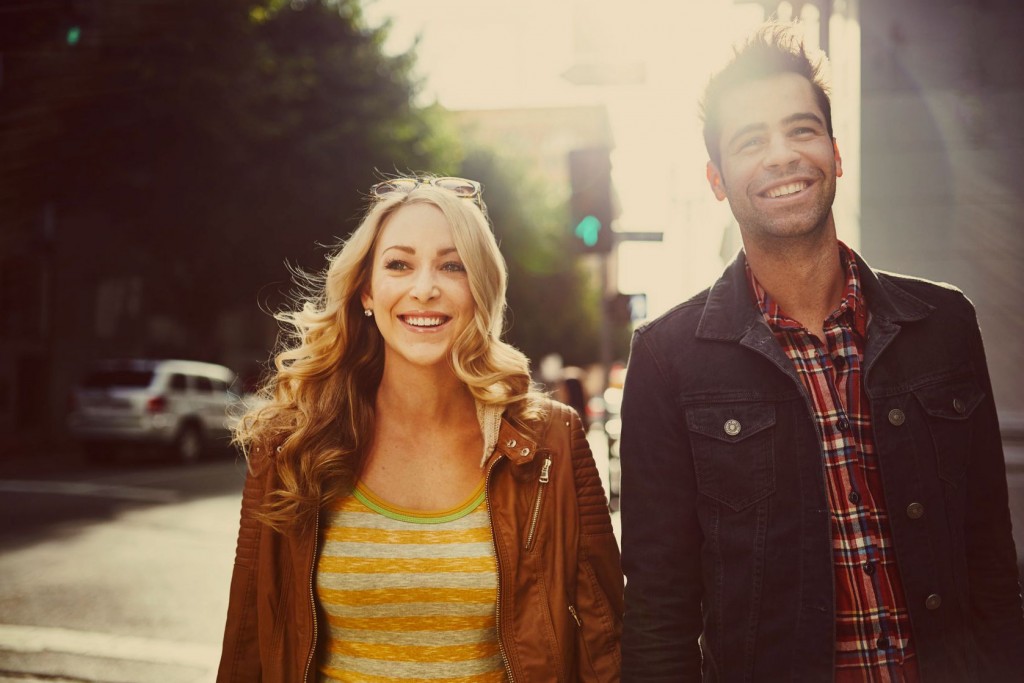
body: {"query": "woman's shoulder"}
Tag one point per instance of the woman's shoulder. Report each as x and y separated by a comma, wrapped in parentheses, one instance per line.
(261, 454)
(548, 419)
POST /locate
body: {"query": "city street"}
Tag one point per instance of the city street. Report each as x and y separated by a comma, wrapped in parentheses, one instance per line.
(120, 574)
(117, 574)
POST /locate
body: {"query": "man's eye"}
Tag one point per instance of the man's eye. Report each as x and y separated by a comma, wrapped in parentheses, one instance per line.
(750, 143)
(803, 131)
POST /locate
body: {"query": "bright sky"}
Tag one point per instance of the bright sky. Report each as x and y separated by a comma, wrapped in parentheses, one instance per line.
(497, 54)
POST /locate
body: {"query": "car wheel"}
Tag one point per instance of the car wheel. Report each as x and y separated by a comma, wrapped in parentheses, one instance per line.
(188, 446)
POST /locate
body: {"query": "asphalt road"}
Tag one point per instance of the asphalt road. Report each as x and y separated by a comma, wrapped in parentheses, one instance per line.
(118, 574)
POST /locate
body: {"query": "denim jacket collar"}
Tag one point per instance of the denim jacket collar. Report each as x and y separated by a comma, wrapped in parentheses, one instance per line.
(730, 312)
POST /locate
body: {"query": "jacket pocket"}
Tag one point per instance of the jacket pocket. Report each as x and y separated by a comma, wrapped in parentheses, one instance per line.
(733, 453)
(949, 408)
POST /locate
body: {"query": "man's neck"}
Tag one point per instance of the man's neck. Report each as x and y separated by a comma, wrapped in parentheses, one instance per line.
(805, 277)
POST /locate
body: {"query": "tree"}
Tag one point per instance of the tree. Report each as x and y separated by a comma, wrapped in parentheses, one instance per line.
(553, 304)
(196, 146)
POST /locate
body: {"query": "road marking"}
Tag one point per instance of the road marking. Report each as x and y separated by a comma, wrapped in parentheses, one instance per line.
(84, 488)
(38, 639)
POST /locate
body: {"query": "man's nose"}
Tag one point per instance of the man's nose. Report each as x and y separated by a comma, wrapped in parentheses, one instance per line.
(780, 152)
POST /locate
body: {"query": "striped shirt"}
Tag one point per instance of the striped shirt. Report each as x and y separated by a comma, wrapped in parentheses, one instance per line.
(408, 596)
(873, 639)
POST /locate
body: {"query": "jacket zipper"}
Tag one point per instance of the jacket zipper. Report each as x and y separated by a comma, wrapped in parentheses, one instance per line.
(545, 476)
(497, 562)
(312, 598)
(575, 616)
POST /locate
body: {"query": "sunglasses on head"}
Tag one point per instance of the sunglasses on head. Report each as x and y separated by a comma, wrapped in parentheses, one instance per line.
(462, 187)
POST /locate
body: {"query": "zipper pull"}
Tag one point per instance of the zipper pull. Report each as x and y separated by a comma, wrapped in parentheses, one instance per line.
(545, 471)
(572, 611)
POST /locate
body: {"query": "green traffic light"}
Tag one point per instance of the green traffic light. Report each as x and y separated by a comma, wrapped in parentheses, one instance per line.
(588, 230)
(74, 35)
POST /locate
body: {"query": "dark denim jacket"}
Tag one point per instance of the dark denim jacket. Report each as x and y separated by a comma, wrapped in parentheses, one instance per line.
(726, 538)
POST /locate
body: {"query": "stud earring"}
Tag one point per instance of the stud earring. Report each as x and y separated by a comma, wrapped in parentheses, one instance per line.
(367, 312)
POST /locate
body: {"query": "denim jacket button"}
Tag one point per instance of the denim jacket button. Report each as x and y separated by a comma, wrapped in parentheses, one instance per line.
(933, 601)
(732, 427)
(915, 511)
(897, 417)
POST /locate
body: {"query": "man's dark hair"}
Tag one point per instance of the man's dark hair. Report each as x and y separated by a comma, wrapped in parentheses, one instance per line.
(773, 49)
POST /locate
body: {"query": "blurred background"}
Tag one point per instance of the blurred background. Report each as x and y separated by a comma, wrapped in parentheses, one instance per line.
(165, 164)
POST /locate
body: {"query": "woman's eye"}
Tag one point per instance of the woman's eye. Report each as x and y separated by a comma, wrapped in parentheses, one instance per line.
(453, 267)
(396, 264)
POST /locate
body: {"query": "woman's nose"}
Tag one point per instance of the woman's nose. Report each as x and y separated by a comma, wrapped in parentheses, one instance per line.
(425, 287)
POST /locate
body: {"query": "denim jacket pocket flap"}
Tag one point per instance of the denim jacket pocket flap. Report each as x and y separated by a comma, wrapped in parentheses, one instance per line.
(733, 452)
(730, 423)
(948, 407)
(953, 401)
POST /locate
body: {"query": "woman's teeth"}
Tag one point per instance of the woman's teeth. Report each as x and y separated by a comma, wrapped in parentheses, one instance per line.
(419, 321)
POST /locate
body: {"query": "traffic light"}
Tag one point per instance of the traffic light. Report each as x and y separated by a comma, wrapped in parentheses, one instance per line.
(591, 202)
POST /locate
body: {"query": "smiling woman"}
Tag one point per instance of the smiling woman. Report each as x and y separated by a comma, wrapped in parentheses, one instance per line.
(411, 498)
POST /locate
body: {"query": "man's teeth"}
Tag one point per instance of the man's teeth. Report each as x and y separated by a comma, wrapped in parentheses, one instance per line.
(420, 321)
(783, 190)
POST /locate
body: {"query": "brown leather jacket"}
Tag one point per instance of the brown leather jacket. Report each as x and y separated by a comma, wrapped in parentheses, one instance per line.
(559, 607)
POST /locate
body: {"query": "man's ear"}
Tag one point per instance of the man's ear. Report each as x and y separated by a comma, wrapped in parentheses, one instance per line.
(839, 159)
(715, 181)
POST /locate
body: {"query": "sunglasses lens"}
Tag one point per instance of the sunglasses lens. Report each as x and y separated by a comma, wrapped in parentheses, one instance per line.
(460, 186)
(391, 186)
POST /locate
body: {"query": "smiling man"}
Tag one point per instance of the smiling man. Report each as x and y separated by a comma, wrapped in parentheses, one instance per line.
(813, 485)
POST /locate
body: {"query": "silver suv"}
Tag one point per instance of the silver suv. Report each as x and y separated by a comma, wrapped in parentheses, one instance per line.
(179, 406)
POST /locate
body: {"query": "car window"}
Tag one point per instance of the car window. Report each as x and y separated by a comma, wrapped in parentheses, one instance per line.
(178, 382)
(202, 384)
(103, 379)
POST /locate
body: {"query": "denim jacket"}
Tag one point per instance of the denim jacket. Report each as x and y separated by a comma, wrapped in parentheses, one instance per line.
(726, 536)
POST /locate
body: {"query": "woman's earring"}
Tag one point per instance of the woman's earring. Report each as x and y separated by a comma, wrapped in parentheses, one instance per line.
(367, 312)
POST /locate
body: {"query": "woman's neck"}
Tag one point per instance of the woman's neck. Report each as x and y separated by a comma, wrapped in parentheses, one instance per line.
(429, 396)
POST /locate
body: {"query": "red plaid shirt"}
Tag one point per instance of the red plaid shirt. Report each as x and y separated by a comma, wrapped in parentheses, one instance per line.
(873, 639)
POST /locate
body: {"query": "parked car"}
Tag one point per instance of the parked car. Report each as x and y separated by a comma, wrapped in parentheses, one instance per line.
(177, 406)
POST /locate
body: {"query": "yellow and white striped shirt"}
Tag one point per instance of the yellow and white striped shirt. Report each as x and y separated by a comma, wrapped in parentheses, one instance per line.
(408, 596)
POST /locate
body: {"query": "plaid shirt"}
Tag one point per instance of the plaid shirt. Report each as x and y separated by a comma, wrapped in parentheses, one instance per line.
(873, 639)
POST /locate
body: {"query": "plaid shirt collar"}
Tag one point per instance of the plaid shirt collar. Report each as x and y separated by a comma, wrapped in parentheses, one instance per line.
(852, 310)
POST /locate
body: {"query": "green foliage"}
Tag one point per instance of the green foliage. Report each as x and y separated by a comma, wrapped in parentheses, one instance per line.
(199, 145)
(553, 305)
(191, 148)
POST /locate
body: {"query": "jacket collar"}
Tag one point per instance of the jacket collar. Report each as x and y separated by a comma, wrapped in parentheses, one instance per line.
(730, 311)
(513, 444)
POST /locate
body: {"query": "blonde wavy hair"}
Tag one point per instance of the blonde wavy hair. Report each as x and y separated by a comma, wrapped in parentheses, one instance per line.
(317, 419)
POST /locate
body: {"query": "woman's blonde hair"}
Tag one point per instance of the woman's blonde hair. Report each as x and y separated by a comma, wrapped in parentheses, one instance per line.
(318, 415)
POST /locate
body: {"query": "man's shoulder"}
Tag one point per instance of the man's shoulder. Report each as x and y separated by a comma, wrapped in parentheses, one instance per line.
(681, 319)
(940, 295)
